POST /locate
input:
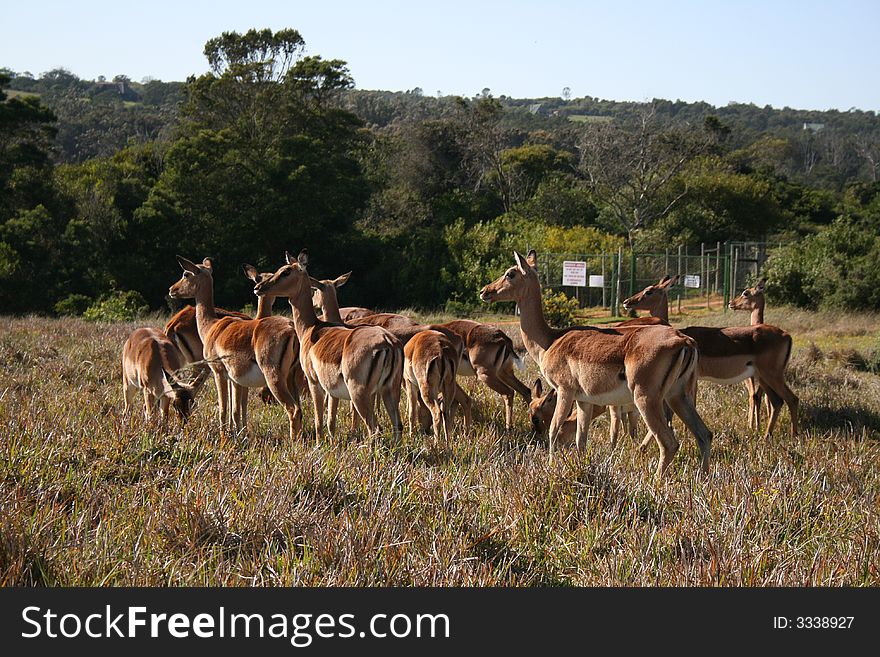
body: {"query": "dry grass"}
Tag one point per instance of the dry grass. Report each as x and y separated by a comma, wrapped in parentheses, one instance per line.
(88, 497)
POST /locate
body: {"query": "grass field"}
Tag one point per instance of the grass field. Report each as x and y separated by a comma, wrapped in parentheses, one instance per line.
(88, 497)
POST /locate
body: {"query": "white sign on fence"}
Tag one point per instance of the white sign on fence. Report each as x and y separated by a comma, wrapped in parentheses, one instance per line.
(574, 273)
(692, 280)
(597, 281)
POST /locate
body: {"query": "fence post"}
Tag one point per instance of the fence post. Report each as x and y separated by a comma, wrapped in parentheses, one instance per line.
(717, 267)
(680, 279)
(632, 273)
(726, 294)
(615, 264)
(604, 297)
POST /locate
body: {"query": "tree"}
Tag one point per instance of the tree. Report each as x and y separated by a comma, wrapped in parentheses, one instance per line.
(631, 170)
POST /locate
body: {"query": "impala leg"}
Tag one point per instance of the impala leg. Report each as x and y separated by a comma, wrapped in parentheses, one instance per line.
(632, 423)
(222, 384)
(332, 410)
(564, 402)
(496, 384)
(412, 406)
(164, 403)
(685, 409)
(128, 393)
(464, 400)
(778, 392)
(318, 395)
(584, 417)
(655, 418)
(362, 401)
(391, 399)
(278, 384)
(616, 417)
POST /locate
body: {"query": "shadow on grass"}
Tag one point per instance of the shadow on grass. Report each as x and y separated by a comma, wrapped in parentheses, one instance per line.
(851, 418)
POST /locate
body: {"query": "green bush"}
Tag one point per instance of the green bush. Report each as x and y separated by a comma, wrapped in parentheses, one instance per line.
(118, 306)
(559, 309)
(73, 304)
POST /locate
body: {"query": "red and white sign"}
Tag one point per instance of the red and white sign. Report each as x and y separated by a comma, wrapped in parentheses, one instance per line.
(574, 273)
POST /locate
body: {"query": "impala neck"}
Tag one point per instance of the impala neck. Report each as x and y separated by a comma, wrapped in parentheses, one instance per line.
(330, 305)
(758, 314)
(536, 333)
(304, 316)
(264, 307)
(206, 315)
(661, 308)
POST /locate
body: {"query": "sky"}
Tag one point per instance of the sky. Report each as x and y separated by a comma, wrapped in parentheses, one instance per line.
(803, 55)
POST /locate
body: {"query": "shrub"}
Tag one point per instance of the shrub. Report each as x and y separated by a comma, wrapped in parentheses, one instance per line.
(73, 304)
(118, 306)
(559, 309)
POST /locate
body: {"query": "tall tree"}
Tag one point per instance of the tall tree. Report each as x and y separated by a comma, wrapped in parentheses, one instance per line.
(630, 169)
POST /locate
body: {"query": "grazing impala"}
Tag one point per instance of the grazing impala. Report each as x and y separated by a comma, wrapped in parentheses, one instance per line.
(430, 366)
(345, 362)
(732, 354)
(752, 300)
(150, 362)
(403, 328)
(242, 353)
(591, 366)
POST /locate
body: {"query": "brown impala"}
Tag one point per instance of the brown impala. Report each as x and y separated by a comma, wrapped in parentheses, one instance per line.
(403, 328)
(752, 300)
(345, 362)
(587, 366)
(733, 354)
(242, 353)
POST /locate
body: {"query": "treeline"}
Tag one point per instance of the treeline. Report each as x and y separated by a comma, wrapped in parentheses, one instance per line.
(103, 182)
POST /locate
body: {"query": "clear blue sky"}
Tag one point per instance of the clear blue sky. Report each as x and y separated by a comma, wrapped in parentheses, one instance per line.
(805, 55)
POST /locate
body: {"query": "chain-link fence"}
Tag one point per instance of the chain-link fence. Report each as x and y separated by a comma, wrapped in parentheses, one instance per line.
(709, 274)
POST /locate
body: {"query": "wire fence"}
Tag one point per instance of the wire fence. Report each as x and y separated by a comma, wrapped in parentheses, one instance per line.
(709, 274)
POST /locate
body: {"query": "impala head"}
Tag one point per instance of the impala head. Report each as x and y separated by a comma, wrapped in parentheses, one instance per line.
(194, 277)
(653, 296)
(182, 395)
(257, 277)
(750, 299)
(541, 408)
(514, 283)
(291, 279)
(321, 289)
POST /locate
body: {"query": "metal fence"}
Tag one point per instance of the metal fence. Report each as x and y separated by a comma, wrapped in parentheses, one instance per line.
(710, 274)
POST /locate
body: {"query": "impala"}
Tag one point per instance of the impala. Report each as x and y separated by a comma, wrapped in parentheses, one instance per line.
(732, 354)
(590, 366)
(264, 309)
(752, 300)
(488, 353)
(402, 327)
(430, 366)
(242, 353)
(150, 362)
(344, 362)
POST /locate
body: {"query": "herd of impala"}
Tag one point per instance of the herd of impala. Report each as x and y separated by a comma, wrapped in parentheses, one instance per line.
(641, 368)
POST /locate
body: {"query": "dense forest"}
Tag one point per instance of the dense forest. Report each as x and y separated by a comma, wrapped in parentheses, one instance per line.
(103, 181)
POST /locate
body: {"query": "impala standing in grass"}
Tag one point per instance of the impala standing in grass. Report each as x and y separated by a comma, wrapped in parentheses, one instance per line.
(587, 365)
(242, 354)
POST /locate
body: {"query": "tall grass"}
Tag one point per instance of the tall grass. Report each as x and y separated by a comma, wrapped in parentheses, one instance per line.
(89, 497)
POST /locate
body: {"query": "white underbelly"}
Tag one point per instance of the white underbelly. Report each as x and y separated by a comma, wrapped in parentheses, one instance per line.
(742, 376)
(252, 377)
(619, 396)
(465, 368)
(339, 390)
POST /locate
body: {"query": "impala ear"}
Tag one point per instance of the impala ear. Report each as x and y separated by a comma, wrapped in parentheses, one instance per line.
(532, 259)
(341, 280)
(760, 286)
(521, 263)
(668, 281)
(537, 389)
(316, 284)
(188, 265)
(303, 258)
(171, 381)
(251, 272)
(208, 263)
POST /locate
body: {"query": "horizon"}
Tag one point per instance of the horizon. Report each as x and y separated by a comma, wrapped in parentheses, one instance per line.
(802, 56)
